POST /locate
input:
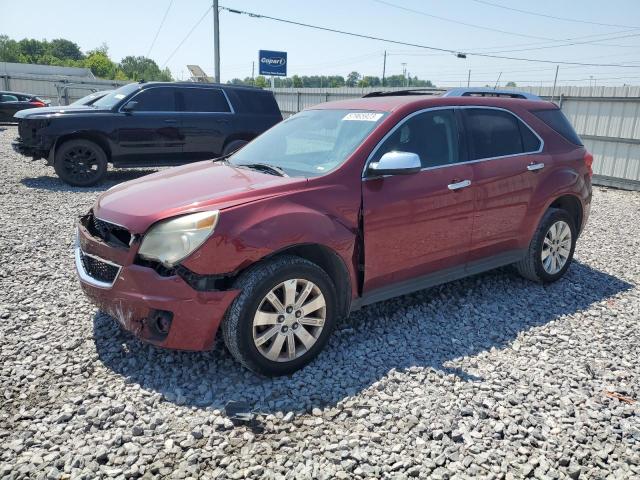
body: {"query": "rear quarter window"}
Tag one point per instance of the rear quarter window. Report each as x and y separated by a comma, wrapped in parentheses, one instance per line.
(254, 101)
(555, 119)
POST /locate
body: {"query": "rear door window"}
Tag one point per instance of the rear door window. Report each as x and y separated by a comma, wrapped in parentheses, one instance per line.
(8, 98)
(560, 123)
(432, 135)
(204, 100)
(158, 99)
(497, 133)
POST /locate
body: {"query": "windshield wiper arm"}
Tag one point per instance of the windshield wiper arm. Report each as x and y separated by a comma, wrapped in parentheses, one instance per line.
(265, 167)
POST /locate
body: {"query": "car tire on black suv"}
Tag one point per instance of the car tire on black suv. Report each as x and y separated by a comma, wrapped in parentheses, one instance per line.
(551, 249)
(283, 316)
(80, 162)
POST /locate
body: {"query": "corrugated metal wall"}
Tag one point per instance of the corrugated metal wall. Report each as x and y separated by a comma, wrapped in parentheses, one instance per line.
(607, 119)
(58, 89)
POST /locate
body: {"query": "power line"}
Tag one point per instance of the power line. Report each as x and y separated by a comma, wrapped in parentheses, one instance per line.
(473, 25)
(160, 27)
(187, 35)
(417, 45)
(564, 44)
(566, 19)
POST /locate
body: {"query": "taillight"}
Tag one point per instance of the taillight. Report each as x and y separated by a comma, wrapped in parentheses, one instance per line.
(36, 103)
(588, 161)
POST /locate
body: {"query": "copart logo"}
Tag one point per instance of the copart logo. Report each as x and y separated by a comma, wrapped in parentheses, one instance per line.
(278, 61)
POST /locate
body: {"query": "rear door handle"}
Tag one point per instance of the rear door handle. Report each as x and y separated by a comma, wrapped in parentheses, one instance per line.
(532, 167)
(459, 185)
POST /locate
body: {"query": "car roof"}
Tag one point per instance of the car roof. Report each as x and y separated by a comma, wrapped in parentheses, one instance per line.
(390, 103)
(202, 85)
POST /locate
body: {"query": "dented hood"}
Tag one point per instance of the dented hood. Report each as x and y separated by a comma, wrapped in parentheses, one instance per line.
(139, 203)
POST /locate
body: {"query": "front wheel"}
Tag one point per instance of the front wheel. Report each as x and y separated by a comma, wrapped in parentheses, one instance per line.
(551, 249)
(282, 317)
(80, 163)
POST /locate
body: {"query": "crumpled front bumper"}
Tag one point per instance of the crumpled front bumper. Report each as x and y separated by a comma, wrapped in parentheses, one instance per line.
(138, 294)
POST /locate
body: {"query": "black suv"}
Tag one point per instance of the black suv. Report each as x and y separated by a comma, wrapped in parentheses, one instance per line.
(145, 124)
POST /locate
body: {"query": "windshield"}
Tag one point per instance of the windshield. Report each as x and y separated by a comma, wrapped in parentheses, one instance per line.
(112, 98)
(311, 143)
(87, 99)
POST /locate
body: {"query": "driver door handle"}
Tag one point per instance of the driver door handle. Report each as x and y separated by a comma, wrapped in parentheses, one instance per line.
(458, 185)
(532, 167)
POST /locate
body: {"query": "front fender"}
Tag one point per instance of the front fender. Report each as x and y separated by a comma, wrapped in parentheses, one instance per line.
(248, 233)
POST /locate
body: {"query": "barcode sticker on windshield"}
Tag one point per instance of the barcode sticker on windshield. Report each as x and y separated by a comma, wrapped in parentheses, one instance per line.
(363, 116)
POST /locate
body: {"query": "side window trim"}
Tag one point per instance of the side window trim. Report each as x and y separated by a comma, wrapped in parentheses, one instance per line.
(462, 131)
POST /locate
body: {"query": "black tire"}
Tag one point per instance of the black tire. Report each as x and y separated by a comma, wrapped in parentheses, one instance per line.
(531, 266)
(233, 146)
(80, 163)
(254, 285)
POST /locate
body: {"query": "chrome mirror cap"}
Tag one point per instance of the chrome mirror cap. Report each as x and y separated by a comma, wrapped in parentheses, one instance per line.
(396, 163)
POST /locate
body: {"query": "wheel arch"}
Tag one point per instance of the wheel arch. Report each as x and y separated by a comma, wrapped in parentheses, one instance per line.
(97, 138)
(572, 205)
(329, 261)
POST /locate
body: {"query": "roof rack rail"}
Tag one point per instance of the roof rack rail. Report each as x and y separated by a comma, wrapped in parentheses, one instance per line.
(409, 91)
(489, 92)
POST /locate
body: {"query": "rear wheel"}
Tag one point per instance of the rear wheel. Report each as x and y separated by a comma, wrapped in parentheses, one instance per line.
(80, 163)
(551, 250)
(283, 316)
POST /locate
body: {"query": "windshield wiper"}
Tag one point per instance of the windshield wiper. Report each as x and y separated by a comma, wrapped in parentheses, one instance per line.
(265, 167)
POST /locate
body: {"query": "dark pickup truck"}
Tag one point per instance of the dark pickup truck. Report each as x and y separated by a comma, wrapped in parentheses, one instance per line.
(145, 124)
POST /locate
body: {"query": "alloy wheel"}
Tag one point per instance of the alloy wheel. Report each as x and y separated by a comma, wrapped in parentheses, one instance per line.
(556, 247)
(81, 163)
(289, 320)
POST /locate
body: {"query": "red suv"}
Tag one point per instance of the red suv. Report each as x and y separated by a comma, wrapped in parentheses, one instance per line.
(342, 205)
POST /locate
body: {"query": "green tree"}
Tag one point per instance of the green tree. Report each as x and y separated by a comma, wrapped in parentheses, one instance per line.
(99, 62)
(511, 84)
(9, 50)
(261, 81)
(139, 68)
(352, 79)
(64, 49)
(297, 82)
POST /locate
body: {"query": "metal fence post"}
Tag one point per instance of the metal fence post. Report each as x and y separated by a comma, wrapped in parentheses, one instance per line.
(298, 101)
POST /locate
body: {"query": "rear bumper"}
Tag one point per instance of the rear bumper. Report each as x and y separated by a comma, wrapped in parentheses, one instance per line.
(138, 297)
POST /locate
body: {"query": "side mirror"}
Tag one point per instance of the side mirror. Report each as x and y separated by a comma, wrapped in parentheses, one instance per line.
(129, 106)
(396, 163)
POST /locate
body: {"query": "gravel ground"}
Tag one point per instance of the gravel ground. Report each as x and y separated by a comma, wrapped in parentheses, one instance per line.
(489, 377)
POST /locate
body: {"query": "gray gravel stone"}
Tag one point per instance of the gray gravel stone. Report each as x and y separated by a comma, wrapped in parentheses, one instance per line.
(487, 377)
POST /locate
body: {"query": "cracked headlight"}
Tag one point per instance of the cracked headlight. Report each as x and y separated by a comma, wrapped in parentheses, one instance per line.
(170, 241)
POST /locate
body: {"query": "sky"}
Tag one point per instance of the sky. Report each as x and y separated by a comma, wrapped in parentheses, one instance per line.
(129, 28)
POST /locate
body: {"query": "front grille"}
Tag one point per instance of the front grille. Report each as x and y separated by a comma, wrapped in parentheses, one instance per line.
(99, 270)
(110, 233)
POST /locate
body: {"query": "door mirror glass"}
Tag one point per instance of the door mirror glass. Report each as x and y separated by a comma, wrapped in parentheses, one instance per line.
(396, 163)
(130, 106)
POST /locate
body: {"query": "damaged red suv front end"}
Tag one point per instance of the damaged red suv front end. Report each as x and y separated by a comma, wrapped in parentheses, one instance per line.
(160, 309)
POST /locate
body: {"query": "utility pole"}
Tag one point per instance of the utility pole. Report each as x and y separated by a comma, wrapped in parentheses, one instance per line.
(497, 81)
(404, 74)
(253, 71)
(384, 67)
(555, 81)
(216, 41)
(469, 79)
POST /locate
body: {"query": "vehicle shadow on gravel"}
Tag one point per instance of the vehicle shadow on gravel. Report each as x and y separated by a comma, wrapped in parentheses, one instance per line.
(427, 329)
(54, 184)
